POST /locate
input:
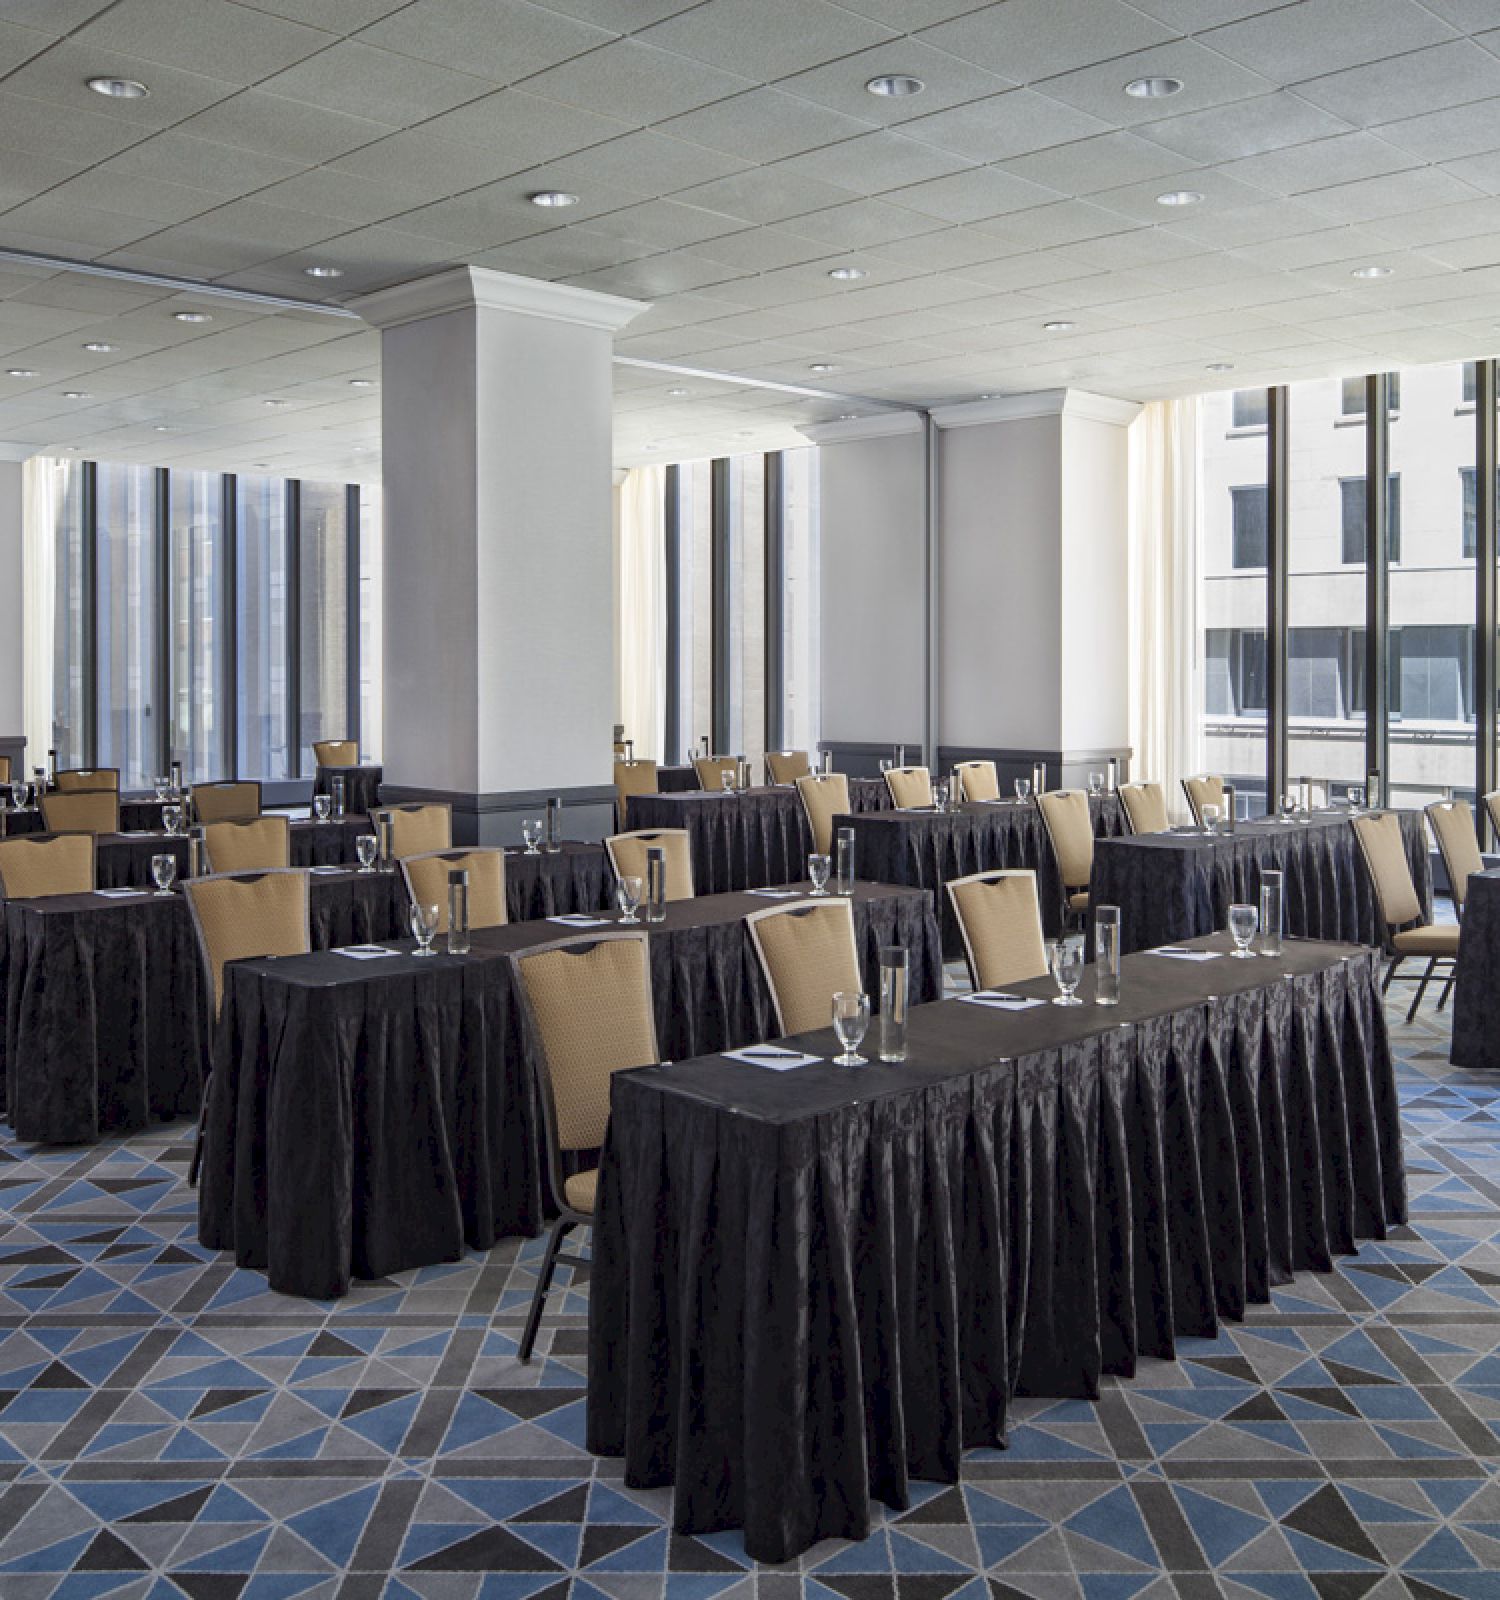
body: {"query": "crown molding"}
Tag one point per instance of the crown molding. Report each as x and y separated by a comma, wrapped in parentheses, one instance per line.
(1043, 403)
(471, 288)
(882, 425)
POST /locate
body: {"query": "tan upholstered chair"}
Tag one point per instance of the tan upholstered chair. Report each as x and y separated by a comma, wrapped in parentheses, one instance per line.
(36, 864)
(427, 883)
(4, 769)
(1458, 842)
(824, 796)
(226, 802)
(1406, 934)
(336, 752)
(627, 855)
(260, 845)
(786, 766)
(1145, 807)
(977, 780)
(633, 777)
(1070, 830)
(81, 811)
(1202, 792)
(808, 954)
(418, 830)
(1000, 918)
(588, 1003)
(909, 787)
(72, 780)
(711, 770)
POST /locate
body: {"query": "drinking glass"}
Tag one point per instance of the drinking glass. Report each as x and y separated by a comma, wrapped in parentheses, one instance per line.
(885, 764)
(164, 871)
(1244, 921)
(1067, 969)
(851, 1021)
(628, 893)
(1356, 797)
(726, 781)
(817, 870)
(424, 926)
(171, 817)
(1023, 788)
(322, 807)
(1210, 819)
(1272, 887)
(940, 796)
(1106, 955)
(1289, 806)
(365, 846)
(18, 796)
(1096, 783)
(895, 983)
(531, 832)
(163, 787)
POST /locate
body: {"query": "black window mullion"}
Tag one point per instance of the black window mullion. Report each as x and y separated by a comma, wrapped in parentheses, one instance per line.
(723, 603)
(673, 541)
(352, 612)
(1377, 583)
(162, 674)
(1278, 470)
(775, 619)
(229, 627)
(294, 626)
(89, 643)
(1485, 608)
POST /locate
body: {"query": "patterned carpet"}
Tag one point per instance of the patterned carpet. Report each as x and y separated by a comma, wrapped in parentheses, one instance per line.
(169, 1428)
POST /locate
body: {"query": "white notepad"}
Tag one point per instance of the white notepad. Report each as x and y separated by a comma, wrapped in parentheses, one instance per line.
(772, 1057)
(999, 1000)
(365, 952)
(579, 919)
(1175, 952)
(121, 894)
(778, 894)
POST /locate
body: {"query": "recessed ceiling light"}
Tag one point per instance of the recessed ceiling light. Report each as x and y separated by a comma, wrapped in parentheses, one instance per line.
(1180, 197)
(1371, 272)
(191, 316)
(848, 416)
(1153, 88)
(119, 88)
(822, 366)
(273, 402)
(553, 199)
(895, 85)
(847, 274)
(160, 427)
(22, 372)
(72, 449)
(360, 449)
(75, 394)
(1219, 366)
(323, 272)
(987, 397)
(260, 466)
(361, 383)
(99, 349)
(1058, 327)
(745, 433)
(678, 394)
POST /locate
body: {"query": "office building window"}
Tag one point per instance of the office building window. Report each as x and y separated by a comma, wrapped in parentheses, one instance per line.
(1352, 395)
(1352, 495)
(1249, 408)
(262, 589)
(128, 711)
(323, 607)
(1249, 525)
(197, 577)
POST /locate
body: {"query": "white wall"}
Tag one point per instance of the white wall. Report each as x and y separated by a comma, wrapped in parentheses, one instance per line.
(12, 616)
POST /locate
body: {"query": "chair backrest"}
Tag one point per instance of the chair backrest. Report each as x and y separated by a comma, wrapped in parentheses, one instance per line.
(242, 914)
(4, 769)
(1000, 917)
(1145, 807)
(634, 777)
(627, 855)
(1384, 850)
(590, 1005)
(1065, 815)
(256, 846)
(1458, 840)
(72, 780)
(1200, 792)
(977, 780)
(36, 864)
(786, 766)
(419, 829)
(81, 811)
(711, 770)
(228, 801)
(908, 787)
(808, 954)
(824, 796)
(1492, 805)
(427, 883)
(336, 752)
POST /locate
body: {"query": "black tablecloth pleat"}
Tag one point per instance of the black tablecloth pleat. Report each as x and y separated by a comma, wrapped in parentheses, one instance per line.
(574, 878)
(1476, 993)
(361, 786)
(811, 1288)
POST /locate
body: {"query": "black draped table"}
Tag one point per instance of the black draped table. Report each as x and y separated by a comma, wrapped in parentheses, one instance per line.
(1476, 993)
(931, 848)
(369, 1116)
(870, 794)
(1172, 886)
(575, 877)
(811, 1287)
(747, 839)
(361, 785)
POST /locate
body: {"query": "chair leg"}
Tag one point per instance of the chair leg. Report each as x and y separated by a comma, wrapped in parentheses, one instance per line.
(195, 1166)
(1448, 987)
(1390, 974)
(1422, 987)
(543, 1283)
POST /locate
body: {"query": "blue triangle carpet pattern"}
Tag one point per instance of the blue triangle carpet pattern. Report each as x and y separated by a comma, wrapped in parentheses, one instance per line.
(170, 1429)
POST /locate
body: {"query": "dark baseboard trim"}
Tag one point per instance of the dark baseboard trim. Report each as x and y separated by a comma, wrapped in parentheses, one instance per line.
(496, 817)
(1065, 768)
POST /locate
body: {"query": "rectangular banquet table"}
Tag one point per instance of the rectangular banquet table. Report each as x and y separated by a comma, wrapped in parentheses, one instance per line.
(746, 839)
(369, 1116)
(361, 785)
(1476, 993)
(811, 1287)
(1179, 885)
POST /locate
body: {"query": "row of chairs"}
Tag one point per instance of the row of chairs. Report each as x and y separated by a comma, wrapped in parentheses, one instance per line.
(70, 780)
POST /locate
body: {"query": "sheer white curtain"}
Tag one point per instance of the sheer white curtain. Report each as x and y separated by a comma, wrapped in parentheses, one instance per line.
(641, 609)
(42, 487)
(1166, 674)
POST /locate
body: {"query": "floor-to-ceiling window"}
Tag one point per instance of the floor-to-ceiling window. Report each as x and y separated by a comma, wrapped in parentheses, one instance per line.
(695, 588)
(323, 655)
(72, 630)
(262, 721)
(747, 610)
(128, 709)
(371, 626)
(197, 565)
(800, 632)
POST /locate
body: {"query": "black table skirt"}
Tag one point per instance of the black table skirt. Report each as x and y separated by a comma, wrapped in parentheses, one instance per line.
(361, 786)
(1476, 994)
(870, 794)
(811, 1288)
(749, 840)
(367, 1117)
(1177, 886)
(574, 878)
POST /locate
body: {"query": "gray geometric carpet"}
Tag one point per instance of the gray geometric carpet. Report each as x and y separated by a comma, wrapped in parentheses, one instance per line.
(169, 1428)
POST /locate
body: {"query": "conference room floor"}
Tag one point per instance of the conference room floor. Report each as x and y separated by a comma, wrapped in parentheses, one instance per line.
(162, 1415)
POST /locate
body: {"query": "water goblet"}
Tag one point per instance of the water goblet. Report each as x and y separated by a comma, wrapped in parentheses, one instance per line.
(1210, 819)
(1244, 923)
(365, 846)
(531, 832)
(1023, 789)
(424, 926)
(1067, 969)
(171, 818)
(817, 871)
(1289, 806)
(885, 764)
(164, 872)
(322, 807)
(1096, 783)
(18, 796)
(726, 782)
(163, 787)
(628, 894)
(940, 796)
(1356, 797)
(851, 1021)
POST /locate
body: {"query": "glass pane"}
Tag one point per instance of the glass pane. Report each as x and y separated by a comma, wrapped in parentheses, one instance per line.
(128, 716)
(695, 554)
(800, 602)
(747, 608)
(1233, 482)
(371, 625)
(69, 714)
(263, 638)
(198, 663)
(325, 616)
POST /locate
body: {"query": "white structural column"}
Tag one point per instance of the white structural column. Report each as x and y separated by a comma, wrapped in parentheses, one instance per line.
(499, 629)
(12, 610)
